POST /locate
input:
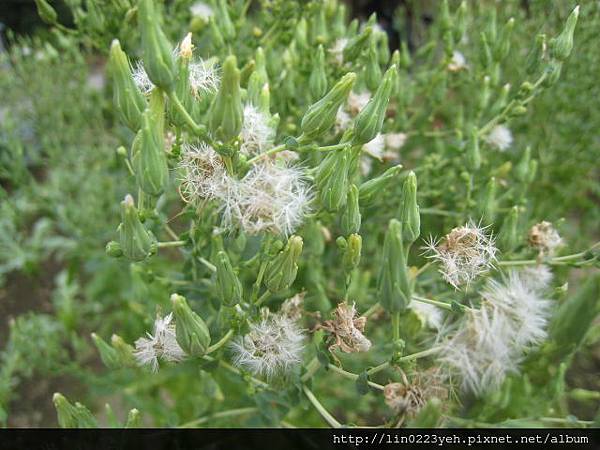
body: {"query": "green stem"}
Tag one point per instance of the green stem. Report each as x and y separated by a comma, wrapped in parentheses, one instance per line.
(311, 368)
(220, 343)
(352, 376)
(410, 357)
(171, 244)
(234, 370)
(372, 310)
(267, 153)
(552, 261)
(321, 409)
(443, 305)
(263, 297)
(439, 212)
(199, 130)
(396, 326)
(207, 263)
(220, 415)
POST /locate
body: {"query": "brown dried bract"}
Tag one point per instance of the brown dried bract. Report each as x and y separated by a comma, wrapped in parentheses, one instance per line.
(347, 330)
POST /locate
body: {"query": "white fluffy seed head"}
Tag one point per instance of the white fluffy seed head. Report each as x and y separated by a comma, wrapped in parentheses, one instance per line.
(202, 173)
(464, 254)
(272, 346)
(272, 197)
(544, 237)
(500, 137)
(430, 315)
(357, 101)
(337, 50)
(204, 77)
(256, 135)
(342, 120)
(201, 10)
(395, 141)
(458, 62)
(160, 345)
(141, 79)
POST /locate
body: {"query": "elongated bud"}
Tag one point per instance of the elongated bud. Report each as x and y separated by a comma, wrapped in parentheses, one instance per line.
(148, 155)
(134, 419)
(191, 332)
(300, 34)
(317, 82)
(228, 283)
(575, 316)
(522, 169)
(72, 416)
(383, 48)
(561, 46)
(216, 36)
(369, 121)
(46, 12)
(473, 155)
(405, 58)
(536, 54)
(136, 242)
(157, 56)
(352, 253)
(357, 44)
(124, 350)
(127, 98)
(183, 89)
(320, 116)
(108, 355)
(409, 210)
(224, 20)
(489, 203)
(226, 117)
(371, 189)
(552, 70)
(281, 271)
(502, 46)
(314, 238)
(508, 237)
(460, 22)
(332, 179)
(372, 70)
(259, 77)
(394, 287)
(350, 220)
(485, 52)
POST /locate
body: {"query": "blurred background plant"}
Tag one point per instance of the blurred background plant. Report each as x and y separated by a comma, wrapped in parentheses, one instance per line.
(62, 178)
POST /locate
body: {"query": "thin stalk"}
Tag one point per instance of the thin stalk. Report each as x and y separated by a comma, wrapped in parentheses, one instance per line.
(234, 370)
(321, 409)
(272, 151)
(372, 310)
(352, 376)
(220, 343)
(311, 368)
(171, 244)
(207, 263)
(263, 297)
(396, 326)
(439, 212)
(443, 305)
(552, 261)
(410, 357)
(220, 415)
(197, 129)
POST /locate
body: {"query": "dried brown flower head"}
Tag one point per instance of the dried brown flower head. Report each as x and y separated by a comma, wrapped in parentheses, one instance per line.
(347, 330)
(407, 398)
(544, 237)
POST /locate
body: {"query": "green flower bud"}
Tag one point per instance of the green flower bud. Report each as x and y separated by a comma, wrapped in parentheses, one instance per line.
(522, 168)
(473, 155)
(575, 316)
(485, 52)
(124, 350)
(149, 159)
(215, 34)
(157, 57)
(350, 220)
(113, 249)
(405, 58)
(372, 70)
(224, 20)
(226, 116)
(409, 210)
(383, 48)
(300, 34)
(318, 27)
(357, 44)
(332, 179)
(314, 238)
(320, 116)
(72, 416)
(259, 77)
(488, 204)
(536, 54)
(136, 242)
(317, 82)
(228, 284)
(108, 355)
(561, 46)
(394, 288)
(352, 252)
(46, 12)
(460, 22)
(445, 19)
(134, 419)
(369, 121)
(282, 269)
(191, 332)
(127, 98)
(508, 237)
(553, 70)
(502, 46)
(371, 189)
